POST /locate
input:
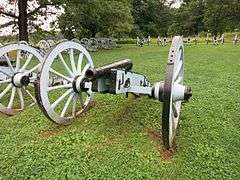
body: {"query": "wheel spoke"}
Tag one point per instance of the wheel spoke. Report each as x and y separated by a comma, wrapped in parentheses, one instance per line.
(64, 86)
(178, 70)
(18, 60)
(60, 75)
(27, 62)
(32, 70)
(10, 104)
(61, 98)
(87, 66)
(79, 66)
(5, 73)
(32, 97)
(65, 65)
(175, 111)
(179, 55)
(19, 91)
(72, 61)
(9, 63)
(74, 105)
(81, 99)
(179, 79)
(67, 105)
(5, 81)
(5, 90)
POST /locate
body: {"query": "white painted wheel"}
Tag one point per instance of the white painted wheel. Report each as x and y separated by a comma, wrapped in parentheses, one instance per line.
(62, 40)
(76, 40)
(173, 91)
(85, 42)
(43, 44)
(18, 77)
(51, 42)
(23, 42)
(112, 43)
(61, 81)
(93, 44)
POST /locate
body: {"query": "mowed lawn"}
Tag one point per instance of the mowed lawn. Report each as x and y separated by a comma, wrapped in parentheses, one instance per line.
(120, 138)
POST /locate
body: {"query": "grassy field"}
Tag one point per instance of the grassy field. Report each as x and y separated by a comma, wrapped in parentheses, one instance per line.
(120, 138)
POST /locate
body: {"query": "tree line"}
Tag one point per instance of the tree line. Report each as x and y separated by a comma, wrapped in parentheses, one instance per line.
(131, 18)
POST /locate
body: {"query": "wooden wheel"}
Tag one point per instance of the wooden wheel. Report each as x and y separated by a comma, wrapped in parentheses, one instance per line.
(61, 80)
(173, 91)
(19, 77)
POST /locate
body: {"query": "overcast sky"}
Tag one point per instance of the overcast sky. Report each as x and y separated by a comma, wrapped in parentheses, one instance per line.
(45, 26)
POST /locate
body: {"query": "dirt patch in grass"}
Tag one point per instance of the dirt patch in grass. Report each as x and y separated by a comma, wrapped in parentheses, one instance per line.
(168, 154)
(46, 134)
(155, 136)
(92, 104)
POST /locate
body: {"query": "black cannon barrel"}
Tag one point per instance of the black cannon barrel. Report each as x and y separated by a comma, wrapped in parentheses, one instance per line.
(104, 71)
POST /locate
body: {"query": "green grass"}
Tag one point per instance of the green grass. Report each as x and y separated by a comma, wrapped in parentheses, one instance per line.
(119, 138)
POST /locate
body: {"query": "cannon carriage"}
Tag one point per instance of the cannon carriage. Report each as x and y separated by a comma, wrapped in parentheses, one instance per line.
(65, 80)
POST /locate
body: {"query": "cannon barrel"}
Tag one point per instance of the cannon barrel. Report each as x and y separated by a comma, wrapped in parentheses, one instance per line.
(105, 71)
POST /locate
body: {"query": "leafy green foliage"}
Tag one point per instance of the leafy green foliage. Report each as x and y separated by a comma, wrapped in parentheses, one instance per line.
(188, 19)
(96, 18)
(216, 16)
(151, 17)
(148, 17)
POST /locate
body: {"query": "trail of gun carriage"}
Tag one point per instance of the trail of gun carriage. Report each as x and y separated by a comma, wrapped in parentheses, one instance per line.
(119, 89)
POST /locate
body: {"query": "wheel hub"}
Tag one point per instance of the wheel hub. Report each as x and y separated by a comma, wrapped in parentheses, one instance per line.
(79, 84)
(19, 80)
(179, 92)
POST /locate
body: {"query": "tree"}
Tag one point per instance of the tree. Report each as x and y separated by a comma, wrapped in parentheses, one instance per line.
(90, 18)
(188, 19)
(221, 15)
(25, 15)
(214, 16)
(232, 14)
(151, 17)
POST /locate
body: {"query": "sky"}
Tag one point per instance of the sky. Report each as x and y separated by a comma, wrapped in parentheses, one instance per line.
(177, 4)
(45, 26)
(11, 8)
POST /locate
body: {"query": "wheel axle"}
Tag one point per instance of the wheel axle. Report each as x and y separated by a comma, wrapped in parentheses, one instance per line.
(19, 80)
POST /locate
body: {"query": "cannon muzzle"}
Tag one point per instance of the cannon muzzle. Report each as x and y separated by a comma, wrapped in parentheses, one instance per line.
(105, 71)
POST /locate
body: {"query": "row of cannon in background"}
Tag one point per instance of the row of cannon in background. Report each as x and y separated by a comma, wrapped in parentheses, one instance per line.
(216, 40)
(44, 46)
(163, 41)
(92, 44)
(188, 41)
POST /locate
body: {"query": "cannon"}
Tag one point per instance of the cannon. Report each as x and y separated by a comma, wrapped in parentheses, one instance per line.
(85, 42)
(112, 43)
(93, 44)
(235, 39)
(66, 100)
